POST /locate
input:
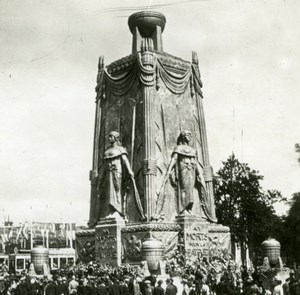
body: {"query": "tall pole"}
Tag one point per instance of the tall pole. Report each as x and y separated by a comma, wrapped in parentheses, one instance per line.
(31, 237)
(148, 92)
(94, 173)
(4, 242)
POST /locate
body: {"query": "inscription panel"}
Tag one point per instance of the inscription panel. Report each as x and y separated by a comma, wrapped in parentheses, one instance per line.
(196, 241)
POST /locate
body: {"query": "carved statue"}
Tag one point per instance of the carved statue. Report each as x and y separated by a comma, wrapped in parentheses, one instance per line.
(111, 190)
(188, 173)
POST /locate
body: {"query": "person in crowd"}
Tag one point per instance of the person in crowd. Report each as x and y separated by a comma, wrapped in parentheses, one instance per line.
(221, 288)
(152, 278)
(148, 288)
(134, 285)
(62, 287)
(83, 288)
(33, 287)
(193, 290)
(73, 285)
(199, 275)
(205, 288)
(286, 287)
(21, 288)
(125, 287)
(254, 289)
(92, 286)
(172, 283)
(278, 288)
(171, 289)
(101, 288)
(185, 287)
(159, 290)
(115, 287)
(51, 287)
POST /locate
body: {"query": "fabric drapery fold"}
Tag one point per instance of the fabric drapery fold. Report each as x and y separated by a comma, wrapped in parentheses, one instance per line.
(121, 84)
(176, 83)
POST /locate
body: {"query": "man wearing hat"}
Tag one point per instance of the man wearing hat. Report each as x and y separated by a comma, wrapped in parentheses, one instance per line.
(159, 290)
(148, 288)
(21, 287)
(62, 287)
(101, 288)
(171, 289)
(50, 288)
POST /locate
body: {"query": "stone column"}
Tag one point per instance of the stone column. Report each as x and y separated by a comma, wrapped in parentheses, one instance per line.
(148, 93)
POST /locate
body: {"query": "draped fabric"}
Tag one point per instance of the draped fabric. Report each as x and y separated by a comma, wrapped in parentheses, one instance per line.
(177, 83)
(121, 84)
(206, 205)
(146, 72)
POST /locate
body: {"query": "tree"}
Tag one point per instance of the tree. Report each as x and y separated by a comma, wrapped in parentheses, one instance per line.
(242, 205)
(292, 224)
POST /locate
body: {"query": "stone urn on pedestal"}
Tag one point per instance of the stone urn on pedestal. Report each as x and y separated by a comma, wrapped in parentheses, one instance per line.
(153, 253)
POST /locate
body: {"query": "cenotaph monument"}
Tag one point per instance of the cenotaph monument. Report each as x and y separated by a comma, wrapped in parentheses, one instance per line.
(151, 181)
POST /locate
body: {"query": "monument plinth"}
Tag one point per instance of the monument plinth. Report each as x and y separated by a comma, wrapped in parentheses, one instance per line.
(151, 175)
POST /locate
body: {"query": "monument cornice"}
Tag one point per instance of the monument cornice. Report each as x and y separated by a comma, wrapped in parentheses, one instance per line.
(170, 61)
(86, 232)
(151, 227)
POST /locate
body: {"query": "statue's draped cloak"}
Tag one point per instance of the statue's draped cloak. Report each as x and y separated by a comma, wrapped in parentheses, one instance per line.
(186, 170)
(111, 190)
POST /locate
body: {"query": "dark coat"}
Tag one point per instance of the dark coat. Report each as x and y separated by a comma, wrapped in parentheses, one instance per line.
(62, 289)
(84, 290)
(102, 290)
(34, 289)
(21, 289)
(93, 290)
(159, 291)
(115, 289)
(50, 289)
(171, 290)
(125, 289)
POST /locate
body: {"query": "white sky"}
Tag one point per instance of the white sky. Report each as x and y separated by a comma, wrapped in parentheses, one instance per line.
(250, 64)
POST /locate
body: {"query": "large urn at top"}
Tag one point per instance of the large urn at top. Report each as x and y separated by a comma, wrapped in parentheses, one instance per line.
(271, 249)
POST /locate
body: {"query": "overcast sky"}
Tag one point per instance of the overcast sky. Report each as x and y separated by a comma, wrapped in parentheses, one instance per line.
(250, 64)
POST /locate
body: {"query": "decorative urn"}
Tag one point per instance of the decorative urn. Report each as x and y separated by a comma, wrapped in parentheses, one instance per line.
(271, 249)
(39, 257)
(153, 253)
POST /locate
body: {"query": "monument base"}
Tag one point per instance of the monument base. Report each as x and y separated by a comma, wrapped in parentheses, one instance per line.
(114, 242)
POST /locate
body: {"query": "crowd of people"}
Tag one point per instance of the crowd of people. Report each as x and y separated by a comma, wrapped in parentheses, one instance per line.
(200, 278)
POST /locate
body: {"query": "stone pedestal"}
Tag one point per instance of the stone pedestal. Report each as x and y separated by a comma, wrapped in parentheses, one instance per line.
(108, 246)
(219, 240)
(200, 238)
(195, 236)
